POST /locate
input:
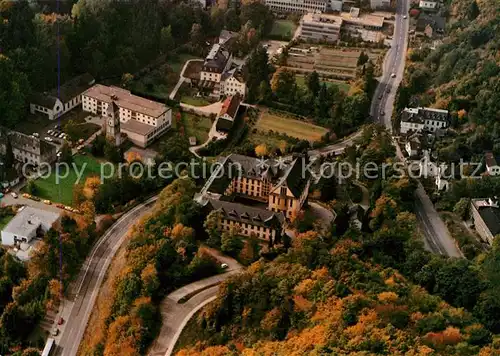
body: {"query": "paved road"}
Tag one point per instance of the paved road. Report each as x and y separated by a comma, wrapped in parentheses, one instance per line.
(176, 314)
(84, 291)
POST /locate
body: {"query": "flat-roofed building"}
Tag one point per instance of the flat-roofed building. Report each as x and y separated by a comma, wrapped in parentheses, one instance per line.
(320, 27)
(133, 111)
(300, 6)
(486, 216)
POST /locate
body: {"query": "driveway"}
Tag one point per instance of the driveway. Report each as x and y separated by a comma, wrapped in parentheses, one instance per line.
(9, 200)
(175, 314)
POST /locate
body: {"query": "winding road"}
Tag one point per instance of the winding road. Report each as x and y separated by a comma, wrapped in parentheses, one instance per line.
(83, 293)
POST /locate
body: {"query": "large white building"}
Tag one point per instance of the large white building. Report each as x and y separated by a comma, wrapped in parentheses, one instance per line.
(28, 149)
(28, 224)
(418, 119)
(301, 6)
(141, 119)
(320, 27)
(60, 101)
(428, 5)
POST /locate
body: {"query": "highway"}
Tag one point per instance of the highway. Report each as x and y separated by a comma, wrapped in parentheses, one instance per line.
(83, 293)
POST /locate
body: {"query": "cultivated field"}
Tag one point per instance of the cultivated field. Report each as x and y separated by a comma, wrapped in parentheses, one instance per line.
(338, 63)
(292, 127)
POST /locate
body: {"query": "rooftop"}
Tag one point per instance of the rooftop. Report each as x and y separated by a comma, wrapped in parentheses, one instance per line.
(246, 214)
(69, 90)
(490, 159)
(420, 113)
(125, 99)
(137, 127)
(230, 106)
(29, 219)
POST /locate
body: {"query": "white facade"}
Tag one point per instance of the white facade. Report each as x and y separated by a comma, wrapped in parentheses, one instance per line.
(301, 6)
(424, 118)
(58, 109)
(411, 126)
(320, 27)
(25, 226)
(427, 5)
(493, 170)
(231, 86)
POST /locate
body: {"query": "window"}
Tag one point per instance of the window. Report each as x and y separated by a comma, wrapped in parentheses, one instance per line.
(283, 190)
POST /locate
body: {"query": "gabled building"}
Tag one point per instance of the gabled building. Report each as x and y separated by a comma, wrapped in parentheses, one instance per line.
(233, 82)
(228, 113)
(261, 223)
(29, 149)
(275, 186)
(59, 101)
(491, 162)
(142, 120)
(486, 216)
(418, 119)
(430, 25)
(427, 5)
(217, 62)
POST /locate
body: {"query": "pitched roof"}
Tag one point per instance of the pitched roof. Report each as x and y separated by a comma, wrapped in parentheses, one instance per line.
(247, 214)
(216, 59)
(491, 217)
(125, 99)
(293, 178)
(224, 124)
(69, 90)
(230, 106)
(135, 126)
(438, 23)
(490, 159)
(419, 115)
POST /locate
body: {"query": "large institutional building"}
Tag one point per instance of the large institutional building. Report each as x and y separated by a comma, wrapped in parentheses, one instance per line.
(277, 188)
(142, 120)
(419, 119)
(29, 149)
(327, 27)
(301, 6)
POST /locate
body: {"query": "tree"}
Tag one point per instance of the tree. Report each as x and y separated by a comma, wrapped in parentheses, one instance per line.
(9, 154)
(212, 227)
(473, 10)
(72, 130)
(31, 187)
(313, 83)
(231, 243)
(462, 208)
(166, 40)
(261, 150)
(362, 59)
(66, 154)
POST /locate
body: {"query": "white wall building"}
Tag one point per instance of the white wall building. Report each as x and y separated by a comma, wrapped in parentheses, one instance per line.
(233, 82)
(492, 166)
(418, 119)
(146, 118)
(428, 5)
(320, 27)
(60, 101)
(28, 224)
(301, 6)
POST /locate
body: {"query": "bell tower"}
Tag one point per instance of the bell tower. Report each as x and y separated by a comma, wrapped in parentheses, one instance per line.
(112, 123)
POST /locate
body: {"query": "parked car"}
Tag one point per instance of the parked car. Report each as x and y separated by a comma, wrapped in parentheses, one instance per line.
(55, 332)
(36, 134)
(50, 132)
(405, 17)
(393, 75)
(48, 202)
(14, 195)
(61, 135)
(60, 206)
(35, 198)
(81, 141)
(49, 139)
(26, 195)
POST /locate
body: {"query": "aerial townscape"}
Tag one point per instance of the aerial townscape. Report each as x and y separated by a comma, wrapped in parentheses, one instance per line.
(249, 177)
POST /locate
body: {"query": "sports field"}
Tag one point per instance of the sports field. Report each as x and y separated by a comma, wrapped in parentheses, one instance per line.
(292, 127)
(283, 28)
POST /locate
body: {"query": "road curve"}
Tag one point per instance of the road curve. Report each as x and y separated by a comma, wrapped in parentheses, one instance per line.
(84, 291)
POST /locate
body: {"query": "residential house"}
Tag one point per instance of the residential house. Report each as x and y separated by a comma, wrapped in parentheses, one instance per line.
(427, 5)
(233, 82)
(59, 101)
(29, 149)
(492, 166)
(430, 25)
(216, 63)
(228, 113)
(486, 216)
(413, 145)
(142, 120)
(418, 119)
(28, 224)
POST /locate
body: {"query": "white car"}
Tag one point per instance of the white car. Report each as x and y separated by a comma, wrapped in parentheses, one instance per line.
(405, 17)
(224, 266)
(14, 195)
(36, 134)
(393, 75)
(48, 139)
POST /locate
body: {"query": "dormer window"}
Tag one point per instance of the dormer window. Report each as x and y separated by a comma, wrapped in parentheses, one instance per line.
(283, 191)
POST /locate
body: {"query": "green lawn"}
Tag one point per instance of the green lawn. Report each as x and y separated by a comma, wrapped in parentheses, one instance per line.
(292, 127)
(343, 86)
(195, 101)
(198, 126)
(283, 28)
(63, 192)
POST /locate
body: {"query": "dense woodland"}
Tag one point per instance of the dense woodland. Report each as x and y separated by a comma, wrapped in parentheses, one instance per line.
(347, 291)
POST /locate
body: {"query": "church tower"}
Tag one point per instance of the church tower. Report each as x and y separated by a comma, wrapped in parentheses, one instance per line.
(112, 123)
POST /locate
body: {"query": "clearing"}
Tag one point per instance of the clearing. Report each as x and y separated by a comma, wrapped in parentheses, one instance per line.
(343, 86)
(284, 29)
(62, 192)
(292, 127)
(197, 126)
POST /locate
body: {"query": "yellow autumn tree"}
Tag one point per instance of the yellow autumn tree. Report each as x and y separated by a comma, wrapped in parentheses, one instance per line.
(261, 150)
(91, 186)
(462, 114)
